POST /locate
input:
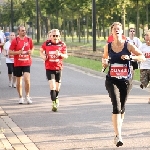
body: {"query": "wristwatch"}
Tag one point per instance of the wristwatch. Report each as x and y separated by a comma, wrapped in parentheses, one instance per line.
(131, 57)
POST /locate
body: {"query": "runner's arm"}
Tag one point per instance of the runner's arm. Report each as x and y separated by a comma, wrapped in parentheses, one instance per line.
(138, 54)
(12, 52)
(105, 57)
(42, 54)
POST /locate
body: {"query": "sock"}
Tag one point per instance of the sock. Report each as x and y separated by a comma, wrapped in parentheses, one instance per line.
(53, 95)
(57, 92)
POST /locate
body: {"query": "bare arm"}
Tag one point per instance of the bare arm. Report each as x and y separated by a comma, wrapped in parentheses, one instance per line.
(42, 54)
(12, 52)
(138, 54)
(63, 55)
(105, 57)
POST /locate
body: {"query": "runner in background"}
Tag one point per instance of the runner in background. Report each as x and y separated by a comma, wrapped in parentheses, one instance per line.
(22, 47)
(135, 41)
(53, 51)
(10, 61)
(7, 34)
(1, 48)
(145, 66)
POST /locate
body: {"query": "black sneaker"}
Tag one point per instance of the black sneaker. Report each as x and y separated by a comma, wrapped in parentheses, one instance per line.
(118, 141)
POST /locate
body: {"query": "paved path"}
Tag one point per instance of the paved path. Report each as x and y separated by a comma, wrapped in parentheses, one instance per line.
(83, 121)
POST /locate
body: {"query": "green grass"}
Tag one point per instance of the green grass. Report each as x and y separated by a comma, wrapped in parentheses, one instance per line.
(100, 42)
(36, 53)
(84, 62)
(88, 63)
(137, 75)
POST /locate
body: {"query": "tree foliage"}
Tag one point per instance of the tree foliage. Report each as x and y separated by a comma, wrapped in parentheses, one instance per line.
(55, 13)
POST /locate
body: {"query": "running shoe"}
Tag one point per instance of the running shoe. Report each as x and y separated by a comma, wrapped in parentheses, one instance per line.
(54, 106)
(118, 141)
(141, 86)
(14, 85)
(21, 100)
(57, 102)
(28, 99)
(10, 84)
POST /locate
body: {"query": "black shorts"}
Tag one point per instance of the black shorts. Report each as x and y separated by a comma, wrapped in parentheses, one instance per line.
(11, 68)
(54, 74)
(134, 64)
(19, 70)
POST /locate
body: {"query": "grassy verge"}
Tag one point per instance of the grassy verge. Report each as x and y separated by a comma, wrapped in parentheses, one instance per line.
(88, 63)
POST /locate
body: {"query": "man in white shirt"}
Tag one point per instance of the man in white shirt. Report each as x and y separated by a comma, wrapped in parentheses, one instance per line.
(145, 66)
(135, 41)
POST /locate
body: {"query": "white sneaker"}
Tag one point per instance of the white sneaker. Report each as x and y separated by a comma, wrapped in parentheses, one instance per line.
(28, 99)
(14, 85)
(118, 141)
(10, 84)
(21, 100)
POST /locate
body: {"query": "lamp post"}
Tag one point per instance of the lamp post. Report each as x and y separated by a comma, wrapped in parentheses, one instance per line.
(12, 16)
(94, 24)
(37, 21)
(84, 23)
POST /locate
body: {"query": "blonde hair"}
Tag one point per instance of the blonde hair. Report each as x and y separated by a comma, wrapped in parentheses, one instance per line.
(147, 32)
(55, 30)
(116, 23)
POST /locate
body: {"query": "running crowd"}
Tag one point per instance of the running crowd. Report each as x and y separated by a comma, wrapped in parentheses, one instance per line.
(122, 55)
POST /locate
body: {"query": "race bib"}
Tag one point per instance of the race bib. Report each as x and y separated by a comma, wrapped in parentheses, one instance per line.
(52, 56)
(23, 57)
(119, 70)
(147, 55)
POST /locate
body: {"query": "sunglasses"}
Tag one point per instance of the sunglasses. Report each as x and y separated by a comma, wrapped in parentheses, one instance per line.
(55, 35)
(132, 31)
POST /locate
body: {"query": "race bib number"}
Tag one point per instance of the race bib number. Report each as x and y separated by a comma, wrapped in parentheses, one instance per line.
(52, 56)
(147, 55)
(119, 70)
(23, 57)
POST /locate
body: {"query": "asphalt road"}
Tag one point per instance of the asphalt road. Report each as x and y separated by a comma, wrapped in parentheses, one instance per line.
(83, 121)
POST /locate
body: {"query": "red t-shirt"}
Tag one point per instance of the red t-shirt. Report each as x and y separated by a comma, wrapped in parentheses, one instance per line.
(25, 44)
(110, 38)
(54, 62)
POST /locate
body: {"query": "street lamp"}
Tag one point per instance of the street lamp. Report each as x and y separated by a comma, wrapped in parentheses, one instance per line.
(94, 24)
(12, 16)
(84, 23)
(37, 21)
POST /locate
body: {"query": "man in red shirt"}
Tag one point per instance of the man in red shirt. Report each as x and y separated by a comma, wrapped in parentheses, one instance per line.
(22, 47)
(52, 52)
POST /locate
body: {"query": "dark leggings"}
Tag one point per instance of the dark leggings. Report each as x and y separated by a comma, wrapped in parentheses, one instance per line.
(118, 92)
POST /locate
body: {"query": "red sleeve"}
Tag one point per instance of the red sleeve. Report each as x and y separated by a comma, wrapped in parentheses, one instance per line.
(44, 46)
(13, 45)
(110, 39)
